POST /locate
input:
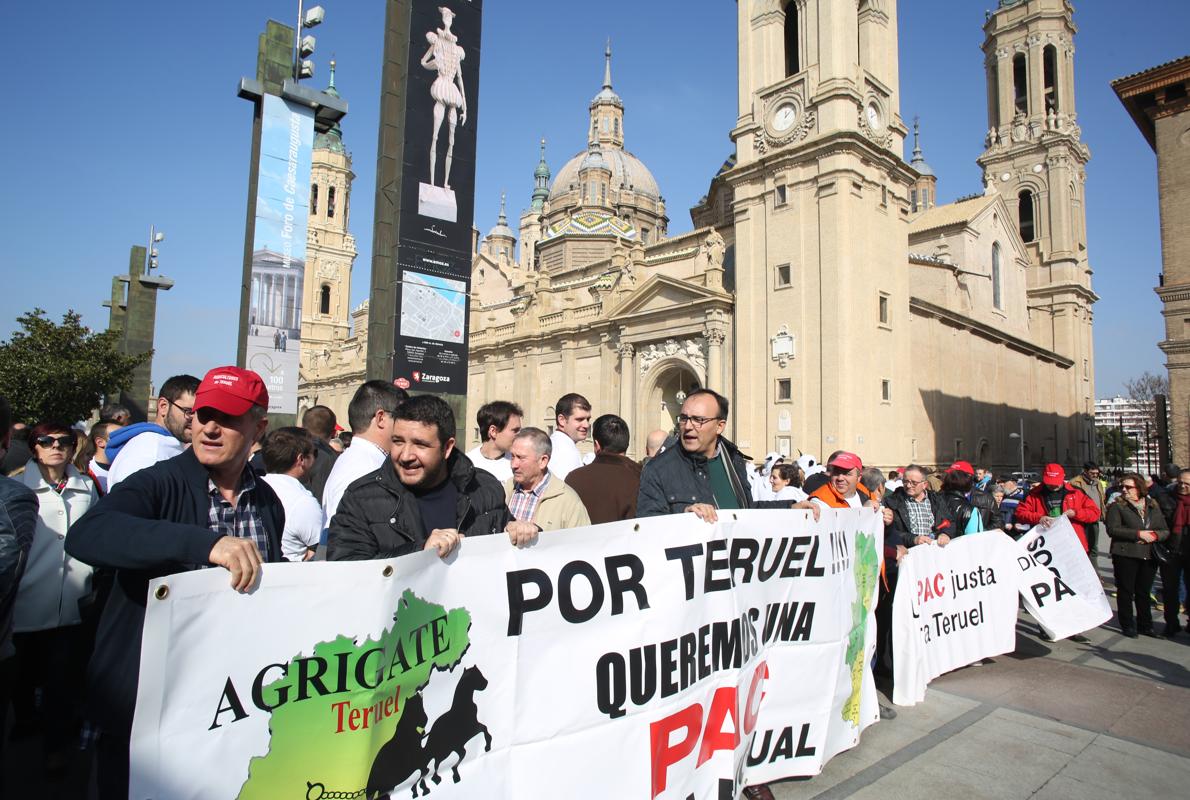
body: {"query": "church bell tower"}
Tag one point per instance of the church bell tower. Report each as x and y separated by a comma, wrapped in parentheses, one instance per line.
(1035, 159)
(820, 202)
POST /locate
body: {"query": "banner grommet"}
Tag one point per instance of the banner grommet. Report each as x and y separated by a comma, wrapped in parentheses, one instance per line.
(162, 591)
(387, 571)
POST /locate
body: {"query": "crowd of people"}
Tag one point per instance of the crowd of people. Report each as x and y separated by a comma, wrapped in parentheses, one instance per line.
(88, 518)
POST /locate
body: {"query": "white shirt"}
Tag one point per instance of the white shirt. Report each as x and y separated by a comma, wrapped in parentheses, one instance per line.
(360, 458)
(791, 493)
(303, 516)
(855, 501)
(500, 467)
(99, 472)
(143, 450)
(566, 456)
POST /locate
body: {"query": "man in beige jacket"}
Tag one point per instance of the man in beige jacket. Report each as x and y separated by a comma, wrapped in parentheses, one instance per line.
(533, 494)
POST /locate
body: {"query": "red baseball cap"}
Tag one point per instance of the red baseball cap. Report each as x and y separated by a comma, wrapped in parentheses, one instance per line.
(846, 461)
(231, 390)
(1054, 475)
(962, 466)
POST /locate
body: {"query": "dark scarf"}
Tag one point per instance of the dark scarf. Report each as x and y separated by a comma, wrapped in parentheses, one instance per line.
(1181, 517)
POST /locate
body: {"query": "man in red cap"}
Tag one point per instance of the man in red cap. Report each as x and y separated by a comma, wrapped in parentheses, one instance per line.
(960, 488)
(203, 508)
(1054, 498)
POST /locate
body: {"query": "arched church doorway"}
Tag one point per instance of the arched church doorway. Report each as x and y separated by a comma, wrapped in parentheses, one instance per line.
(669, 388)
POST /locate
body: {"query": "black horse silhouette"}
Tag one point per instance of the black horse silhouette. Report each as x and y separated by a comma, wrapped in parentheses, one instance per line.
(459, 725)
(402, 755)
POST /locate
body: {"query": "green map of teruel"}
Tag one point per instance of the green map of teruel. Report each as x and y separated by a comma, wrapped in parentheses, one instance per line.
(867, 572)
(331, 739)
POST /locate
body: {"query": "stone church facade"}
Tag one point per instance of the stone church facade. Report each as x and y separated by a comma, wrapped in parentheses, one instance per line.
(822, 290)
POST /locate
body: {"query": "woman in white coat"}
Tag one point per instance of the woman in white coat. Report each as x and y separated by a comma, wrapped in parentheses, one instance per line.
(46, 613)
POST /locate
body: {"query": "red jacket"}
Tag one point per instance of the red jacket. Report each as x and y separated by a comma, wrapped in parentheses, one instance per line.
(1032, 509)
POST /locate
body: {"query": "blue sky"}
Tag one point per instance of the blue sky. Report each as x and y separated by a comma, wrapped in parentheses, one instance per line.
(128, 117)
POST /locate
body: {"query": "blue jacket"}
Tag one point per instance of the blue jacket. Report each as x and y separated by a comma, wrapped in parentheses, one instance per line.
(18, 520)
(154, 523)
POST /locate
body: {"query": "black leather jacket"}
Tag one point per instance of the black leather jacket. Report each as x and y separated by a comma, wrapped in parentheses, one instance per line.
(674, 480)
(379, 518)
(901, 531)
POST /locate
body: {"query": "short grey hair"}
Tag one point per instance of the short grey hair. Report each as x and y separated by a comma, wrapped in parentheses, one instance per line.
(538, 438)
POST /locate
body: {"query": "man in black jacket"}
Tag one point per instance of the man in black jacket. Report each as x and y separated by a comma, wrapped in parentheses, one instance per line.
(427, 495)
(200, 509)
(704, 471)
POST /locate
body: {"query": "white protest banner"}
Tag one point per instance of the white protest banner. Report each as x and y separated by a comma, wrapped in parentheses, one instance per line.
(656, 658)
(954, 605)
(1058, 583)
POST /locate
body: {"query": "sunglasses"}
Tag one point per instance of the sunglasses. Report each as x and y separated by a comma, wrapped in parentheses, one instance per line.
(49, 441)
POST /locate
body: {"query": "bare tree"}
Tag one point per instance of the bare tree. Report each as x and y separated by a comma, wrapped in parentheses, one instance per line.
(1147, 386)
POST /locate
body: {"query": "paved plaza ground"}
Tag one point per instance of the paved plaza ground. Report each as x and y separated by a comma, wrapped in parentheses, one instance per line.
(1053, 720)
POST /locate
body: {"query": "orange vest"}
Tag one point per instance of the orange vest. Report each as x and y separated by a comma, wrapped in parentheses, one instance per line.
(827, 494)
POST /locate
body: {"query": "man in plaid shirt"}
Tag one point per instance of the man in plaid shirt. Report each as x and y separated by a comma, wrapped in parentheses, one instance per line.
(203, 508)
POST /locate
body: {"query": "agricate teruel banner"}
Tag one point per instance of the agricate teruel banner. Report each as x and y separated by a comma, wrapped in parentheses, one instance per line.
(656, 658)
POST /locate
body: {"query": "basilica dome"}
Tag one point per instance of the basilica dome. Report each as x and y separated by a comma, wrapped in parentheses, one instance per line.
(628, 173)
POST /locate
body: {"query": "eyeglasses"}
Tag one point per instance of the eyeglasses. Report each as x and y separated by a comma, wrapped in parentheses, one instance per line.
(697, 422)
(1128, 486)
(187, 412)
(49, 441)
(913, 483)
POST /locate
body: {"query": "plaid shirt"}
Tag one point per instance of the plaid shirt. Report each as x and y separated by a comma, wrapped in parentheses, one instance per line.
(523, 505)
(242, 519)
(921, 517)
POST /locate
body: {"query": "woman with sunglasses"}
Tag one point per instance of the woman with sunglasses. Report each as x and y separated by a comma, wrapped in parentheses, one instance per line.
(1134, 522)
(46, 613)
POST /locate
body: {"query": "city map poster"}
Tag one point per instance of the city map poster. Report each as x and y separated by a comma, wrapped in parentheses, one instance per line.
(655, 658)
(431, 336)
(279, 249)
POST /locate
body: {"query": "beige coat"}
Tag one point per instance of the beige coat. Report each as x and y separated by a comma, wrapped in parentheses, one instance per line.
(560, 507)
(53, 583)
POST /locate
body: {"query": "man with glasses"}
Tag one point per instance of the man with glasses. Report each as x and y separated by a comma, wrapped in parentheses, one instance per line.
(134, 447)
(704, 472)
(919, 515)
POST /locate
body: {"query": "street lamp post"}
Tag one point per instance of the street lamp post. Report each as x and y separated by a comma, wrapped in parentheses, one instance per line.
(1021, 437)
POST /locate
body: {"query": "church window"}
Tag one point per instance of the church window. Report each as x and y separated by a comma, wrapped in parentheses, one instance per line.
(616, 126)
(884, 313)
(925, 197)
(913, 199)
(314, 198)
(994, 95)
(604, 125)
(1020, 84)
(886, 390)
(784, 390)
(644, 235)
(1026, 215)
(997, 300)
(1050, 64)
(602, 193)
(324, 299)
(793, 61)
(330, 203)
(780, 196)
(783, 275)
